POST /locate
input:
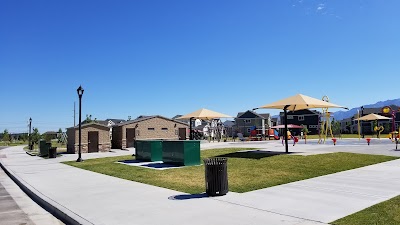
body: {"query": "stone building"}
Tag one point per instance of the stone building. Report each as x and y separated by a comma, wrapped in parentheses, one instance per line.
(95, 138)
(148, 127)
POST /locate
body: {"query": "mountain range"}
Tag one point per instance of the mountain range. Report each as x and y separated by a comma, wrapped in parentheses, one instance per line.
(339, 115)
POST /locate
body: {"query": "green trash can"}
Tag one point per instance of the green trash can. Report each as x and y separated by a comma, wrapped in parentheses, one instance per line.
(181, 152)
(149, 150)
(53, 152)
(44, 148)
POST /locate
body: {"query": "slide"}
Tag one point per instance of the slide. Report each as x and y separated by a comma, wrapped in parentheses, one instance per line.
(276, 135)
(273, 133)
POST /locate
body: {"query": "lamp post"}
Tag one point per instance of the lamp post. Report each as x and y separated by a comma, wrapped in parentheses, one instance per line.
(362, 114)
(80, 93)
(30, 138)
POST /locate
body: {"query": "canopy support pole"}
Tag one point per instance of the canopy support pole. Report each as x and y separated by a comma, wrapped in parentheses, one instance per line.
(286, 129)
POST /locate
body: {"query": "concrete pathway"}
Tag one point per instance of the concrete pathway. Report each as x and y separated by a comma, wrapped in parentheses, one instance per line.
(17, 208)
(92, 198)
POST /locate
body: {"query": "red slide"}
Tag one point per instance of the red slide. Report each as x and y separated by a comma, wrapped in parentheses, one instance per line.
(273, 133)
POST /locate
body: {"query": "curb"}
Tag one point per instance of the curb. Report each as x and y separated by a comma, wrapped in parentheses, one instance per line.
(59, 211)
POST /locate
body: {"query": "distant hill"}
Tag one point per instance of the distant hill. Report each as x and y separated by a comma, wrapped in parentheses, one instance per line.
(339, 115)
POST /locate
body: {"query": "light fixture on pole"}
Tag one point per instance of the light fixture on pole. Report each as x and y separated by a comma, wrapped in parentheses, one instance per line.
(80, 93)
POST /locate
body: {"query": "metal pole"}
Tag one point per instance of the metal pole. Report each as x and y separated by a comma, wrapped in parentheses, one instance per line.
(362, 122)
(30, 137)
(80, 129)
(358, 123)
(285, 130)
(393, 120)
(190, 129)
(74, 115)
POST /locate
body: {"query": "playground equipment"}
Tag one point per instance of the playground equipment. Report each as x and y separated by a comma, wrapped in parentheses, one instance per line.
(326, 125)
(273, 133)
(334, 141)
(290, 136)
(379, 129)
(368, 140)
(215, 129)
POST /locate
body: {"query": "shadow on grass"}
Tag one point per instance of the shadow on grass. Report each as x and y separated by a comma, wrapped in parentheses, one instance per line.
(160, 165)
(254, 154)
(188, 196)
(131, 161)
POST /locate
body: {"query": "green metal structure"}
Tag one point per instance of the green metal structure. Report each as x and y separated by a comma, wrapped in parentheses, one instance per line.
(149, 150)
(182, 152)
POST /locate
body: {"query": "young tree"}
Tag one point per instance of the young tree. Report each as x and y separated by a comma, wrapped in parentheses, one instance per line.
(387, 128)
(305, 132)
(6, 136)
(335, 127)
(88, 118)
(22, 137)
(35, 136)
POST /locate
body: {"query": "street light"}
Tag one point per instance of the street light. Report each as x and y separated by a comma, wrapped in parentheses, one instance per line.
(30, 138)
(80, 93)
(362, 114)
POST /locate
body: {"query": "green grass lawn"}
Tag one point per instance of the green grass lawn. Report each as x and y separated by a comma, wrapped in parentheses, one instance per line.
(385, 213)
(246, 171)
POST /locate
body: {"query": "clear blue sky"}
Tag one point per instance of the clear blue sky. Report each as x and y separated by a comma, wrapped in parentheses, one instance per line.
(174, 57)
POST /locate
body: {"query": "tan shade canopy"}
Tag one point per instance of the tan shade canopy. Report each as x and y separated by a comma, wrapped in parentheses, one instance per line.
(299, 102)
(204, 114)
(373, 116)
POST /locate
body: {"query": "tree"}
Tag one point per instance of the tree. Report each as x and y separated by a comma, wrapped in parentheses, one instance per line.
(23, 137)
(35, 136)
(6, 136)
(387, 127)
(305, 132)
(335, 127)
(88, 118)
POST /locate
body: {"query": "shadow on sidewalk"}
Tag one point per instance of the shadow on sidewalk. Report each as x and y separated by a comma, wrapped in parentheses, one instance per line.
(188, 196)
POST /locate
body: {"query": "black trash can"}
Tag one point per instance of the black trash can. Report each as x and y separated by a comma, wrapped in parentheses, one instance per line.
(216, 171)
(53, 152)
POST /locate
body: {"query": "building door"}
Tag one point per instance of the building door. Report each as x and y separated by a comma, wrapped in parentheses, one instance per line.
(93, 137)
(130, 137)
(182, 133)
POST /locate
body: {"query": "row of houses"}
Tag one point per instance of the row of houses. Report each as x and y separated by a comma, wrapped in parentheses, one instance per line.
(350, 125)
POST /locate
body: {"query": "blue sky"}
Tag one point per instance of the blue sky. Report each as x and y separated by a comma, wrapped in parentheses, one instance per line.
(173, 57)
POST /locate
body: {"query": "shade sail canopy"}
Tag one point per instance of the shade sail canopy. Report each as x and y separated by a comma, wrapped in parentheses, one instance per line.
(292, 126)
(204, 114)
(299, 102)
(373, 116)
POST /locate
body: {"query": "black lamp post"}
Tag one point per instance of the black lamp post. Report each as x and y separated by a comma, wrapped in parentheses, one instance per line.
(80, 93)
(30, 138)
(362, 114)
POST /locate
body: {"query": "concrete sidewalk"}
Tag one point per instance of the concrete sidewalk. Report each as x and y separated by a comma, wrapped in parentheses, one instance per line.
(92, 198)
